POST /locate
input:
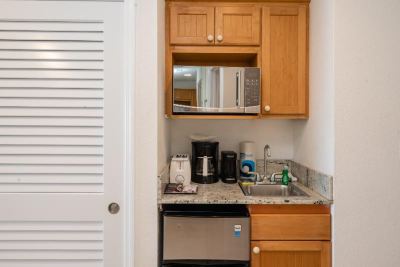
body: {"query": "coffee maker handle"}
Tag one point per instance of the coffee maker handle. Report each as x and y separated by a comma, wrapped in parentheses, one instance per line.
(205, 166)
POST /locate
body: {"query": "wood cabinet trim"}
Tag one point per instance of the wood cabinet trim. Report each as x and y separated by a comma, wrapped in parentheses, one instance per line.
(284, 11)
(289, 209)
(259, 4)
(302, 64)
(326, 254)
(215, 49)
(291, 245)
(290, 227)
(213, 2)
(168, 64)
(215, 117)
(266, 63)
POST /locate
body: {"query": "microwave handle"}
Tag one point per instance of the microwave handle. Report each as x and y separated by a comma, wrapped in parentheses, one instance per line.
(238, 89)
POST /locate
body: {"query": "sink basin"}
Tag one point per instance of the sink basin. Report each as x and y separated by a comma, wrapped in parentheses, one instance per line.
(272, 190)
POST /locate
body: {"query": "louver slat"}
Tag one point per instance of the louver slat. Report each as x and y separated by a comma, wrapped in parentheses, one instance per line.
(49, 112)
(58, 55)
(49, 74)
(51, 117)
(50, 65)
(90, 36)
(34, 25)
(34, 243)
(51, 46)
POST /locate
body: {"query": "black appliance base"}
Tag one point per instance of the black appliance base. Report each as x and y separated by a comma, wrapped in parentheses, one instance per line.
(205, 180)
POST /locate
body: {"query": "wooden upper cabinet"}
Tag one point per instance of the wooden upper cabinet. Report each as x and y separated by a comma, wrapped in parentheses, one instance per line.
(192, 25)
(291, 253)
(210, 25)
(237, 25)
(284, 61)
(278, 30)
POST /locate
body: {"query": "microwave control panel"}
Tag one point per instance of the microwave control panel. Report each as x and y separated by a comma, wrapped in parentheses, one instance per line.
(251, 87)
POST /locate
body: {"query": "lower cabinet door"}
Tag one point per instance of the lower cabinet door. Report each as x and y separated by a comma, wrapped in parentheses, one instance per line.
(291, 254)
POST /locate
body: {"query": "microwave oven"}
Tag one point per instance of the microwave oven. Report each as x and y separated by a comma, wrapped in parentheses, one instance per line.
(213, 89)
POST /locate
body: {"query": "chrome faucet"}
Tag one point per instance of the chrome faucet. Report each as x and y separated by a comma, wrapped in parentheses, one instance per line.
(267, 153)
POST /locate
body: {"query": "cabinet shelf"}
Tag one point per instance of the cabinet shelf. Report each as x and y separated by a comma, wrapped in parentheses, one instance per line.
(214, 117)
(216, 56)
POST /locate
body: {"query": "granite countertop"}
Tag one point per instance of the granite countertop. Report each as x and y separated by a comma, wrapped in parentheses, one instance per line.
(221, 193)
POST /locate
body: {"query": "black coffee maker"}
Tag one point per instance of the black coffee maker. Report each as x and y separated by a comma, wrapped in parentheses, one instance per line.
(228, 167)
(205, 162)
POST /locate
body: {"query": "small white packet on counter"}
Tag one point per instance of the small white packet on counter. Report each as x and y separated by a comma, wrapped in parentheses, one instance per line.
(191, 188)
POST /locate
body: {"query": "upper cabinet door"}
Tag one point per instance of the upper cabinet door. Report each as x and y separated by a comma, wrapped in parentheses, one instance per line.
(192, 25)
(239, 25)
(284, 57)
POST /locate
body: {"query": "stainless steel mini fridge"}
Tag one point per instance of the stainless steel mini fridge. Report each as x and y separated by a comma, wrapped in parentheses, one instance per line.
(206, 235)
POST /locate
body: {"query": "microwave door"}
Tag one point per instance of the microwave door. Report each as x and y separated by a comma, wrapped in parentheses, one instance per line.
(232, 93)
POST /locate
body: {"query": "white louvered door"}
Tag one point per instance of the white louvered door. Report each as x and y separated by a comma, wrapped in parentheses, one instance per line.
(62, 135)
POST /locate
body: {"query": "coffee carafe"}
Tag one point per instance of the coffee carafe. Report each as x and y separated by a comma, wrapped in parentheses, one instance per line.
(204, 166)
(205, 162)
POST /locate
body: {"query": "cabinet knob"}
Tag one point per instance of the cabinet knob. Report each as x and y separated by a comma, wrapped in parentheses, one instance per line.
(256, 250)
(210, 38)
(220, 38)
(267, 108)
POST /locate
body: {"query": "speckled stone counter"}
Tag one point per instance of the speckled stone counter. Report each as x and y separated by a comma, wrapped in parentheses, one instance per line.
(221, 193)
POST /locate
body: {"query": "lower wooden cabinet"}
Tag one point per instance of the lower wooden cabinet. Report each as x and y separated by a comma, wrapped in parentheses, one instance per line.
(291, 254)
(290, 236)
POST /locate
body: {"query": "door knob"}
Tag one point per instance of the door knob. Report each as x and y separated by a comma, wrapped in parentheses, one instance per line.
(113, 208)
(256, 250)
(210, 38)
(220, 38)
(267, 108)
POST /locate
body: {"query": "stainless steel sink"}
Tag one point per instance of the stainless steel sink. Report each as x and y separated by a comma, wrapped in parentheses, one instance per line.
(272, 190)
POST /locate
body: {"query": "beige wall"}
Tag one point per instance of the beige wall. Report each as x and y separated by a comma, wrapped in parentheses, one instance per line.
(146, 130)
(163, 123)
(314, 138)
(277, 133)
(367, 133)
